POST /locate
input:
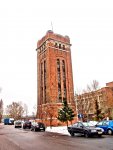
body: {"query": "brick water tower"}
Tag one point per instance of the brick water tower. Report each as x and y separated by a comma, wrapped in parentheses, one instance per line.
(54, 76)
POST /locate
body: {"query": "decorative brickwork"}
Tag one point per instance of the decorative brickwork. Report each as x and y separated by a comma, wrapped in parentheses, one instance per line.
(55, 79)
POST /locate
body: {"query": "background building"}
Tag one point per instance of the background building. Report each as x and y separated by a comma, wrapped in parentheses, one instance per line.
(55, 78)
(103, 98)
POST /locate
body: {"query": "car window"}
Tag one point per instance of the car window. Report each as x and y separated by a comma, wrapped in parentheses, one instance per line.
(93, 123)
(28, 122)
(36, 123)
(18, 122)
(105, 123)
(111, 123)
(75, 125)
(99, 123)
(79, 125)
(33, 123)
(88, 124)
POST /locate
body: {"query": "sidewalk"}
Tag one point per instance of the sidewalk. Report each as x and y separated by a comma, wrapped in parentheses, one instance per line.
(60, 129)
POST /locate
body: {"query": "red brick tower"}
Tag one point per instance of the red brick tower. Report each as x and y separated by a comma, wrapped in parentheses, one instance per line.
(55, 79)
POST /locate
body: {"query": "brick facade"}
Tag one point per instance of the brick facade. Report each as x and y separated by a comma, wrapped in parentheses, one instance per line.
(104, 96)
(55, 78)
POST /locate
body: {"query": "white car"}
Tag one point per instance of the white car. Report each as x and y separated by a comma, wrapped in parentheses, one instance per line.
(18, 124)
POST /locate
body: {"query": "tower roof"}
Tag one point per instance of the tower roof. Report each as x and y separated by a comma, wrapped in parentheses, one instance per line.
(57, 37)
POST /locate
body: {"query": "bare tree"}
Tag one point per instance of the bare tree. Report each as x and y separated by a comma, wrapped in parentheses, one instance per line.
(93, 92)
(25, 110)
(34, 112)
(87, 102)
(35, 109)
(83, 105)
(50, 113)
(15, 110)
(94, 86)
(1, 109)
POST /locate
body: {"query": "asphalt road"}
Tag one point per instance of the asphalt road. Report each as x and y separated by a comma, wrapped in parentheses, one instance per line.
(19, 139)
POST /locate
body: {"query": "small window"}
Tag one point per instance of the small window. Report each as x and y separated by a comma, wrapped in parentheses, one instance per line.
(63, 47)
(60, 46)
(56, 45)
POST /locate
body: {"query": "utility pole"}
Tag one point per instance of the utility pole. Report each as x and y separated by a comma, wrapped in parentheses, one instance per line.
(76, 103)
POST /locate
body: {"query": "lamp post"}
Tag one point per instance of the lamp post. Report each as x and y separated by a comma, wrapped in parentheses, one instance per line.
(76, 103)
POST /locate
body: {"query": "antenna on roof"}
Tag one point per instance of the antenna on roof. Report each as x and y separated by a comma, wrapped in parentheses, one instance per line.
(51, 26)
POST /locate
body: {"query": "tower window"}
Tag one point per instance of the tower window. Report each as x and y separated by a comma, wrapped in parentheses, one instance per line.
(60, 46)
(56, 45)
(44, 81)
(63, 66)
(58, 63)
(59, 80)
(63, 47)
(64, 77)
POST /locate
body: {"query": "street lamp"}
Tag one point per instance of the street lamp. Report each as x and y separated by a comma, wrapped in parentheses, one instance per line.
(76, 103)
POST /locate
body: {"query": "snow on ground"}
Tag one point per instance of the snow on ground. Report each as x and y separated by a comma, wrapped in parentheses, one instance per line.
(59, 129)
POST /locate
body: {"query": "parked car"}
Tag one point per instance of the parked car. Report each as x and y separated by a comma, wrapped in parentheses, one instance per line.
(86, 129)
(18, 124)
(38, 126)
(27, 124)
(8, 121)
(107, 125)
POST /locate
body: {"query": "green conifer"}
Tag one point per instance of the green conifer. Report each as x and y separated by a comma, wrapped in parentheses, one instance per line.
(66, 113)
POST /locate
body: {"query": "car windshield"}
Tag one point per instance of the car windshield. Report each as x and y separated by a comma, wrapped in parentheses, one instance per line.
(18, 121)
(27, 122)
(88, 124)
(93, 122)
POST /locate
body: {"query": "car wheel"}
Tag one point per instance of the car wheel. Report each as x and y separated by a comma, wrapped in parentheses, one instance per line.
(109, 131)
(86, 134)
(72, 133)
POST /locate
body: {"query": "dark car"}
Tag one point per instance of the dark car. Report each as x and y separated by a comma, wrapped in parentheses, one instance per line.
(27, 124)
(86, 129)
(38, 126)
(107, 125)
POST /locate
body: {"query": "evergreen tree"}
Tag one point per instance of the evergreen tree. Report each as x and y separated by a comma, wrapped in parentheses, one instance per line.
(98, 111)
(66, 113)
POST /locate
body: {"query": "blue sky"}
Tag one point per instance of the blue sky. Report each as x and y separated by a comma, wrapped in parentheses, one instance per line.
(89, 24)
